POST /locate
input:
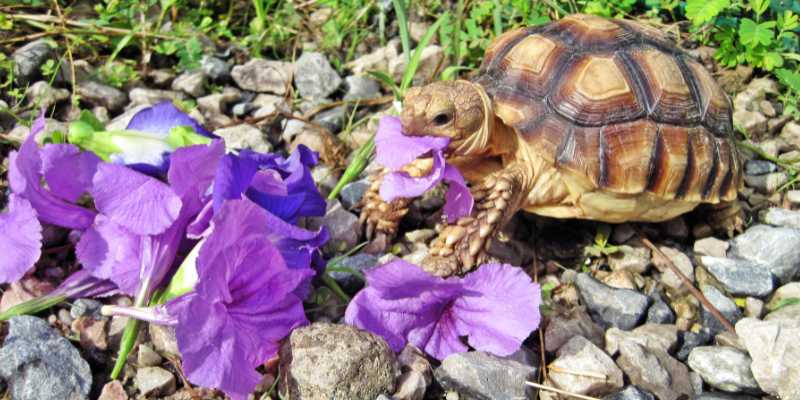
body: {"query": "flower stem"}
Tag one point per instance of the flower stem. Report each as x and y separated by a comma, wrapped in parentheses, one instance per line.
(131, 331)
(331, 283)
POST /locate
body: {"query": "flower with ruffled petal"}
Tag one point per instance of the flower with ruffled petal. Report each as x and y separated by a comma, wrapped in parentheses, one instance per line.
(20, 239)
(243, 303)
(390, 138)
(496, 308)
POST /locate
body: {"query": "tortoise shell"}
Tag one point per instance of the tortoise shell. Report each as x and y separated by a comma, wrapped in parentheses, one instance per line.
(616, 102)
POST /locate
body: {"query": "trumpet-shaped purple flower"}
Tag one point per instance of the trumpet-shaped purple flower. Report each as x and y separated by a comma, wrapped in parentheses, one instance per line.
(390, 138)
(243, 304)
(495, 307)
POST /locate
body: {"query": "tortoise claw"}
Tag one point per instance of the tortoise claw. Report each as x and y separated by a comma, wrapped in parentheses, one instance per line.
(379, 218)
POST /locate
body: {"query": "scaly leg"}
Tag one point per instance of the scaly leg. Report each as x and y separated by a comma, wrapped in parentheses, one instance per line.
(463, 245)
(379, 217)
(726, 218)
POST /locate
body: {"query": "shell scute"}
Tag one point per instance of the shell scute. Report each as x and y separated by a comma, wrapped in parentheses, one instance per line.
(590, 31)
(627, 150)
(597, 90)
(669, 95)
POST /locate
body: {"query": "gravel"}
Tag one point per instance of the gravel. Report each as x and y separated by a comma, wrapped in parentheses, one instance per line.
(621, 308)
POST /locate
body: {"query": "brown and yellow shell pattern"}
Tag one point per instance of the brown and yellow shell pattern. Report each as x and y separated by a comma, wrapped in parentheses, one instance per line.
(618, 103)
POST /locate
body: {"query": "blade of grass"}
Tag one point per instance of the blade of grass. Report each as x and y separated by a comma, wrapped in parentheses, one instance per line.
(402, 22)
(413, 64)
(355, 168)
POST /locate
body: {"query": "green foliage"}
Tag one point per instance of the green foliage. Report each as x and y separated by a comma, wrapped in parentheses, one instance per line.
(703, 11)
(601, 247)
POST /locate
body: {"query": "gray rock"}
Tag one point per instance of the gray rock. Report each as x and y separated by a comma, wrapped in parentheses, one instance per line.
(788, 312)
(631, 392)
(37, 363)
(215, 104)
(659, 312)
(689, 340)
(192, 83)
(635, 259)
(775, 351)
(754, 307)
(654, 371)
(681, 261)
(343, 227)
(264, 76)
(147, 357)
(740, 277)
(579, 354)
(268, 104)
(565, 324)
(621, 308)
(771, 246)
(292, 128)
(768, 183)
(753, 122)
(244, 136)
(43, 95)
(242, 109)
(86, 308)
(724, 304)
(651, 336)
(361, 88)
(791, 133)
(793, 197)
(314, 76)
(711, 246)
(416, 376)
(723, 396)
(113, 391)
(164, 339)
(214, 68)
(724, 368)
(759, 167)
(99, 94)
(777, 216)
(161, 78)
(155, 381)
(325, 177)
(153, 96)
(332, 119)
(477, 375)
(352, 193)
(317, 359)
(361, 263)
(784, 293)
(28, 60)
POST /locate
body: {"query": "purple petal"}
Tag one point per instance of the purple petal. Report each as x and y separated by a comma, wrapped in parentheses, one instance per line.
(142, 204)
(24, 176)
(233, 177)
(458, 199)
(394, 150)
(198, 226)
(401, 184)
(20, 240)
(162, 117)
(68, 170)
(499, 309)
(109, 251)
(192, 169)
(82, 284)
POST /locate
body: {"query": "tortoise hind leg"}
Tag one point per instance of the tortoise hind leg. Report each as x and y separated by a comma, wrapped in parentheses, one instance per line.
(725, 218)
(462, 246)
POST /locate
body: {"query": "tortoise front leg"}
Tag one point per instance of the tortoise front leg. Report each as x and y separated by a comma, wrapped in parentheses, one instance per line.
(463, 245)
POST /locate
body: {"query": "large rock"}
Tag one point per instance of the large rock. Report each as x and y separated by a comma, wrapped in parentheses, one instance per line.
(342, 226)
(327, 361)
(579, 354)
(361, 88)
(774, 247)
(37, 363)
(777, 216)
(153, 96)
(477, 375)
(155, 381)
(724, 368)
(100, 94)
(775, 350)
(636, 259)
(740, 277)
(621, 308)
(654, 370)
(651, 336)
(264, 76)
(314, 76)
(244, 136)
(192, 83)
(28, 60)
(783, 294)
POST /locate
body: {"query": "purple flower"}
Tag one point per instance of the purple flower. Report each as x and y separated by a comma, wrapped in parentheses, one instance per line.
(243, 304)
(20, 239)
(390, 139)
(495, 307)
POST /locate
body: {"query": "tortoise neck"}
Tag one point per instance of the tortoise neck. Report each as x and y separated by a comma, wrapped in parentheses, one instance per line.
(478, 143)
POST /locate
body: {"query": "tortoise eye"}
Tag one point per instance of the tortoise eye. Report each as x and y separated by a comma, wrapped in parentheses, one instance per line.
(442, 119)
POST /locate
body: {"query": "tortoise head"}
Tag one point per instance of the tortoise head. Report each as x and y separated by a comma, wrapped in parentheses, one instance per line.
(459, 110)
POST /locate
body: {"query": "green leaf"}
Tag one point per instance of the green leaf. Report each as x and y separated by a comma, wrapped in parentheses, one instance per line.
(182, 136)
(752, 34)
(411, 69)
(402, 23)
(789, 78)
(88, 117)
(386, 80)
(702, 11)
(759, 6)
(772, 60)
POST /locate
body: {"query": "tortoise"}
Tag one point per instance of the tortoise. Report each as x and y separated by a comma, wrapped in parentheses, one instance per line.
(587, 118)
